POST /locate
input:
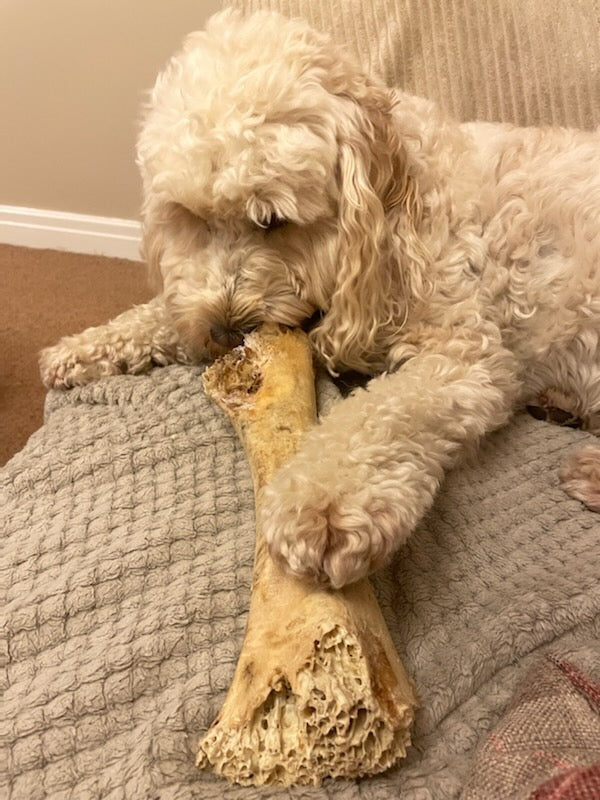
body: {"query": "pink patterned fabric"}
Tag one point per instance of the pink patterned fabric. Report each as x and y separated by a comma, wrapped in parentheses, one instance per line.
(547, 745)
(579, 783)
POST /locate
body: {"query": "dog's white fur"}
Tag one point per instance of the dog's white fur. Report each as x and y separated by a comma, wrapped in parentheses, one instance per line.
(458, 264)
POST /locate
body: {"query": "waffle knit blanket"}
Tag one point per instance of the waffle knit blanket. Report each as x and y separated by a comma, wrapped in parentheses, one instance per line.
(127, 543)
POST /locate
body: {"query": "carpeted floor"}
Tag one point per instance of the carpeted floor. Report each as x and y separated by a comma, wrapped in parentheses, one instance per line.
(44, 295)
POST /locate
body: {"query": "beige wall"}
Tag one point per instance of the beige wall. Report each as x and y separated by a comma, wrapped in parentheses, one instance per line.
(73, 75)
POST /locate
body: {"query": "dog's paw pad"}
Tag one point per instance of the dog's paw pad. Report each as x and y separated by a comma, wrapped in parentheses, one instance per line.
(556, 407)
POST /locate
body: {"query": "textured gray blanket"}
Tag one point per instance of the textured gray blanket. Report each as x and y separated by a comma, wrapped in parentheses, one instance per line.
(127, 543)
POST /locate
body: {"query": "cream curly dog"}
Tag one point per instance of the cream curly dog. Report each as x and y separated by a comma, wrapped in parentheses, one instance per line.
(457, 264)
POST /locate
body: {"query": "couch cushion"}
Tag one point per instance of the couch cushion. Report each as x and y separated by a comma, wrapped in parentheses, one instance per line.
(530, 62)
(127, 544)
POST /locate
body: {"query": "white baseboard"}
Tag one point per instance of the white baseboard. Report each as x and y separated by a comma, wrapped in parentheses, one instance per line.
(75, 233)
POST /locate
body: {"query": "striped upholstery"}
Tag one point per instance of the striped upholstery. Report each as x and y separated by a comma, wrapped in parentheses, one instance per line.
(526, 61)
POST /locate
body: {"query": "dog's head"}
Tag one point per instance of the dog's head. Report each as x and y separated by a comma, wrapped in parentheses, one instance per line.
(271, 169)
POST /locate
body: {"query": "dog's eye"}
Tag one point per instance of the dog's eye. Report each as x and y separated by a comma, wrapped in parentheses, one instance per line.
(271, 223)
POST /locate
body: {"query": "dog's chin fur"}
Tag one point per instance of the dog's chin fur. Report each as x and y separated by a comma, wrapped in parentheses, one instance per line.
(458, 263)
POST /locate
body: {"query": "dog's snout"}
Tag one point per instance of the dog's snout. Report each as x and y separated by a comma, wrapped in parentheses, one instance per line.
(226, 336)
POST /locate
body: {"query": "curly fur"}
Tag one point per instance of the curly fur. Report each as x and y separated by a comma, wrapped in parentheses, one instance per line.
(459, 265)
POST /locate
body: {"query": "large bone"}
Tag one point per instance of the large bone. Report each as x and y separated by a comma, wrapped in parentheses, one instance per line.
(319, 689)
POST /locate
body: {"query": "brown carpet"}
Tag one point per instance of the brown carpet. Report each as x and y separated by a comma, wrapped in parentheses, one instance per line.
(46, 294)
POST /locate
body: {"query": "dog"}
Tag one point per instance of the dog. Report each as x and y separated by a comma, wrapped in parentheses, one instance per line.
(455, 265)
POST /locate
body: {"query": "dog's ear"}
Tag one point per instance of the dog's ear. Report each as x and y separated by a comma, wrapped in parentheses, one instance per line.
(381, 263)
(153, 242)
(167, 225)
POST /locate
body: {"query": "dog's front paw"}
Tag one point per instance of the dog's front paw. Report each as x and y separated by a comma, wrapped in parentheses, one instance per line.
(332, 538)
(62, 366)
(580, 476)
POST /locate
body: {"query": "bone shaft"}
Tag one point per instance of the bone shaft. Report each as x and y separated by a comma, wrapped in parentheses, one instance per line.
(299, 637)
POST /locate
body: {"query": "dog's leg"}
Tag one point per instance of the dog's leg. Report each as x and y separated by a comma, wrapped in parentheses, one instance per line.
(364, 477)
(133, 342)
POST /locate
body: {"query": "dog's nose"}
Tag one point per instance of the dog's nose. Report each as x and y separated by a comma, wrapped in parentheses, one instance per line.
(226, 337)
